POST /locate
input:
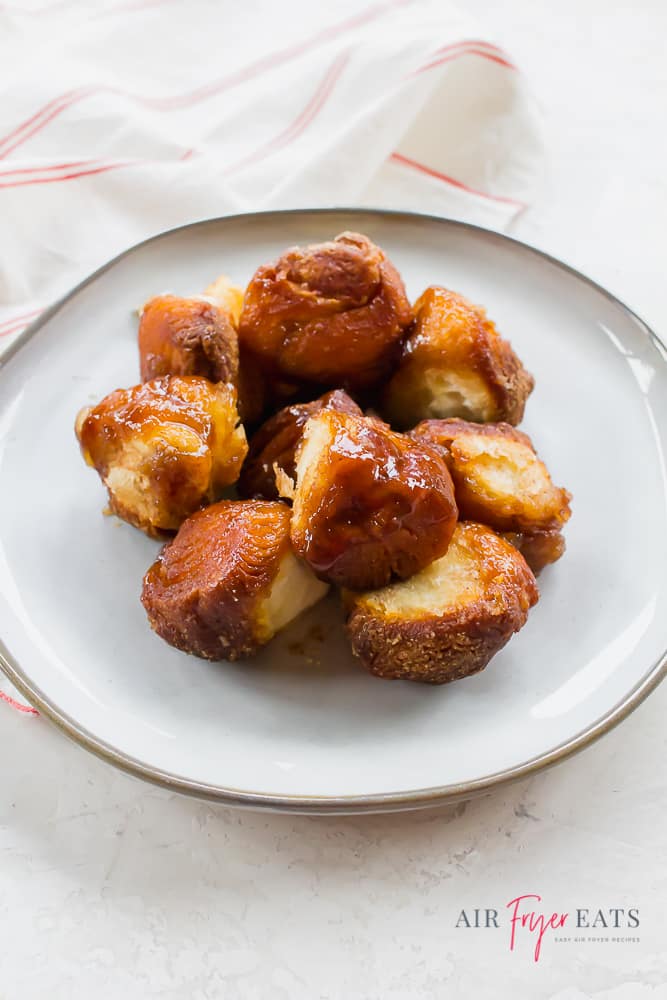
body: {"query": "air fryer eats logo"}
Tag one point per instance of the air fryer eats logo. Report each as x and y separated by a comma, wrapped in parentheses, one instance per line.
(529, 923)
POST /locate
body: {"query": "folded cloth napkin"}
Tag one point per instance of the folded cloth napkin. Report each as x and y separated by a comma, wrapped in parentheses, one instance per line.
(122, 119)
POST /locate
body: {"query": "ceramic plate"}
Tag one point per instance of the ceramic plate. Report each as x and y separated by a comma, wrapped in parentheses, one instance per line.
(302, 726)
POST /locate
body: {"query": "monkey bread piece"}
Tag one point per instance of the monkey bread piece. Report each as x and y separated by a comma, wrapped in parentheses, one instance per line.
(449, 620)
(228, 581)
(228, 295)
(498, 477)
(187, 337)
(163, 449)
(329, 314)
(500, 481)
(273, 446)
(369, 504)
(538, 548)
(455, 364)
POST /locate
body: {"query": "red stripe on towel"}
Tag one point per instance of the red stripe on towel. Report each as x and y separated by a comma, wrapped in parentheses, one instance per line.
(59, 104)
(430, 172)
(26, 709)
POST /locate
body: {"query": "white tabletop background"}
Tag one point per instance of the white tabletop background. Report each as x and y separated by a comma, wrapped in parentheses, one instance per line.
(110, 888)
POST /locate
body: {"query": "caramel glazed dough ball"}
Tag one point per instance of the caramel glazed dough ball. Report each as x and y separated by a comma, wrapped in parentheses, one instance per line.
(164, 448)
(455, 364)
(369, 504)
(228, 581)
(332, 314)
(192, 336)
(198, 336)
(449, 620)
(500, 481)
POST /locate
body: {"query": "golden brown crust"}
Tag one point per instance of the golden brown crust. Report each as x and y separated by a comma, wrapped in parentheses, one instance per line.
(498, 477)
(441, 433)
(538, 548)
(329, 314)
(164, 448)
(274, 444)
(187, 336)
(476, 597)
(455, 364)
(203, 592)
(370, 504)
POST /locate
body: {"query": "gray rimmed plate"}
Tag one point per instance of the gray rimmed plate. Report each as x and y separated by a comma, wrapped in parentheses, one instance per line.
(303, 727)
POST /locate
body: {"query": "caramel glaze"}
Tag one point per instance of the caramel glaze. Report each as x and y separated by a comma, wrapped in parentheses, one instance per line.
(190, 336)
(451, 334)
(538, 548)
(124, 413)
(387, 508)
(203, 591)
(330, 314)
(533, 511)
(538, 537)
(177, 435)
(275, 443)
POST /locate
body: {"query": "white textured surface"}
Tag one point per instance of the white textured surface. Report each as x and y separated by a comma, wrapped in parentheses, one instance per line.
(109, 888)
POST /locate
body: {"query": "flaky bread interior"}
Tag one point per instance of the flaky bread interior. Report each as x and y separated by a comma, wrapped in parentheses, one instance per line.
(449, 620)
(449, 584)
(318, 436)
(455, 363)
(229, 446)
(295, 588)
(130, 480)
(229, 450)
(439, 393)
(273, 446)
(226, 294)
(502, 477)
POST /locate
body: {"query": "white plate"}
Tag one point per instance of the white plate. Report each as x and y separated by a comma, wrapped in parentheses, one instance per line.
(309, 729)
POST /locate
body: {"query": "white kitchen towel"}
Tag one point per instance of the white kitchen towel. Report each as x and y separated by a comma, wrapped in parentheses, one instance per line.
(122, 119)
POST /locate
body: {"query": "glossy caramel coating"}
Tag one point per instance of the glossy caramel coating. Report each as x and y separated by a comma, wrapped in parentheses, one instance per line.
(164, 448)
(275, 443)
(452, 618)
(369, 504)
(190, 336)
(228, 581)
(498, 477)
(455, 364)
(331, 314)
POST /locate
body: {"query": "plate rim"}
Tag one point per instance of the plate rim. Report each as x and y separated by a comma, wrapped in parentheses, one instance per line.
(326, 804)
